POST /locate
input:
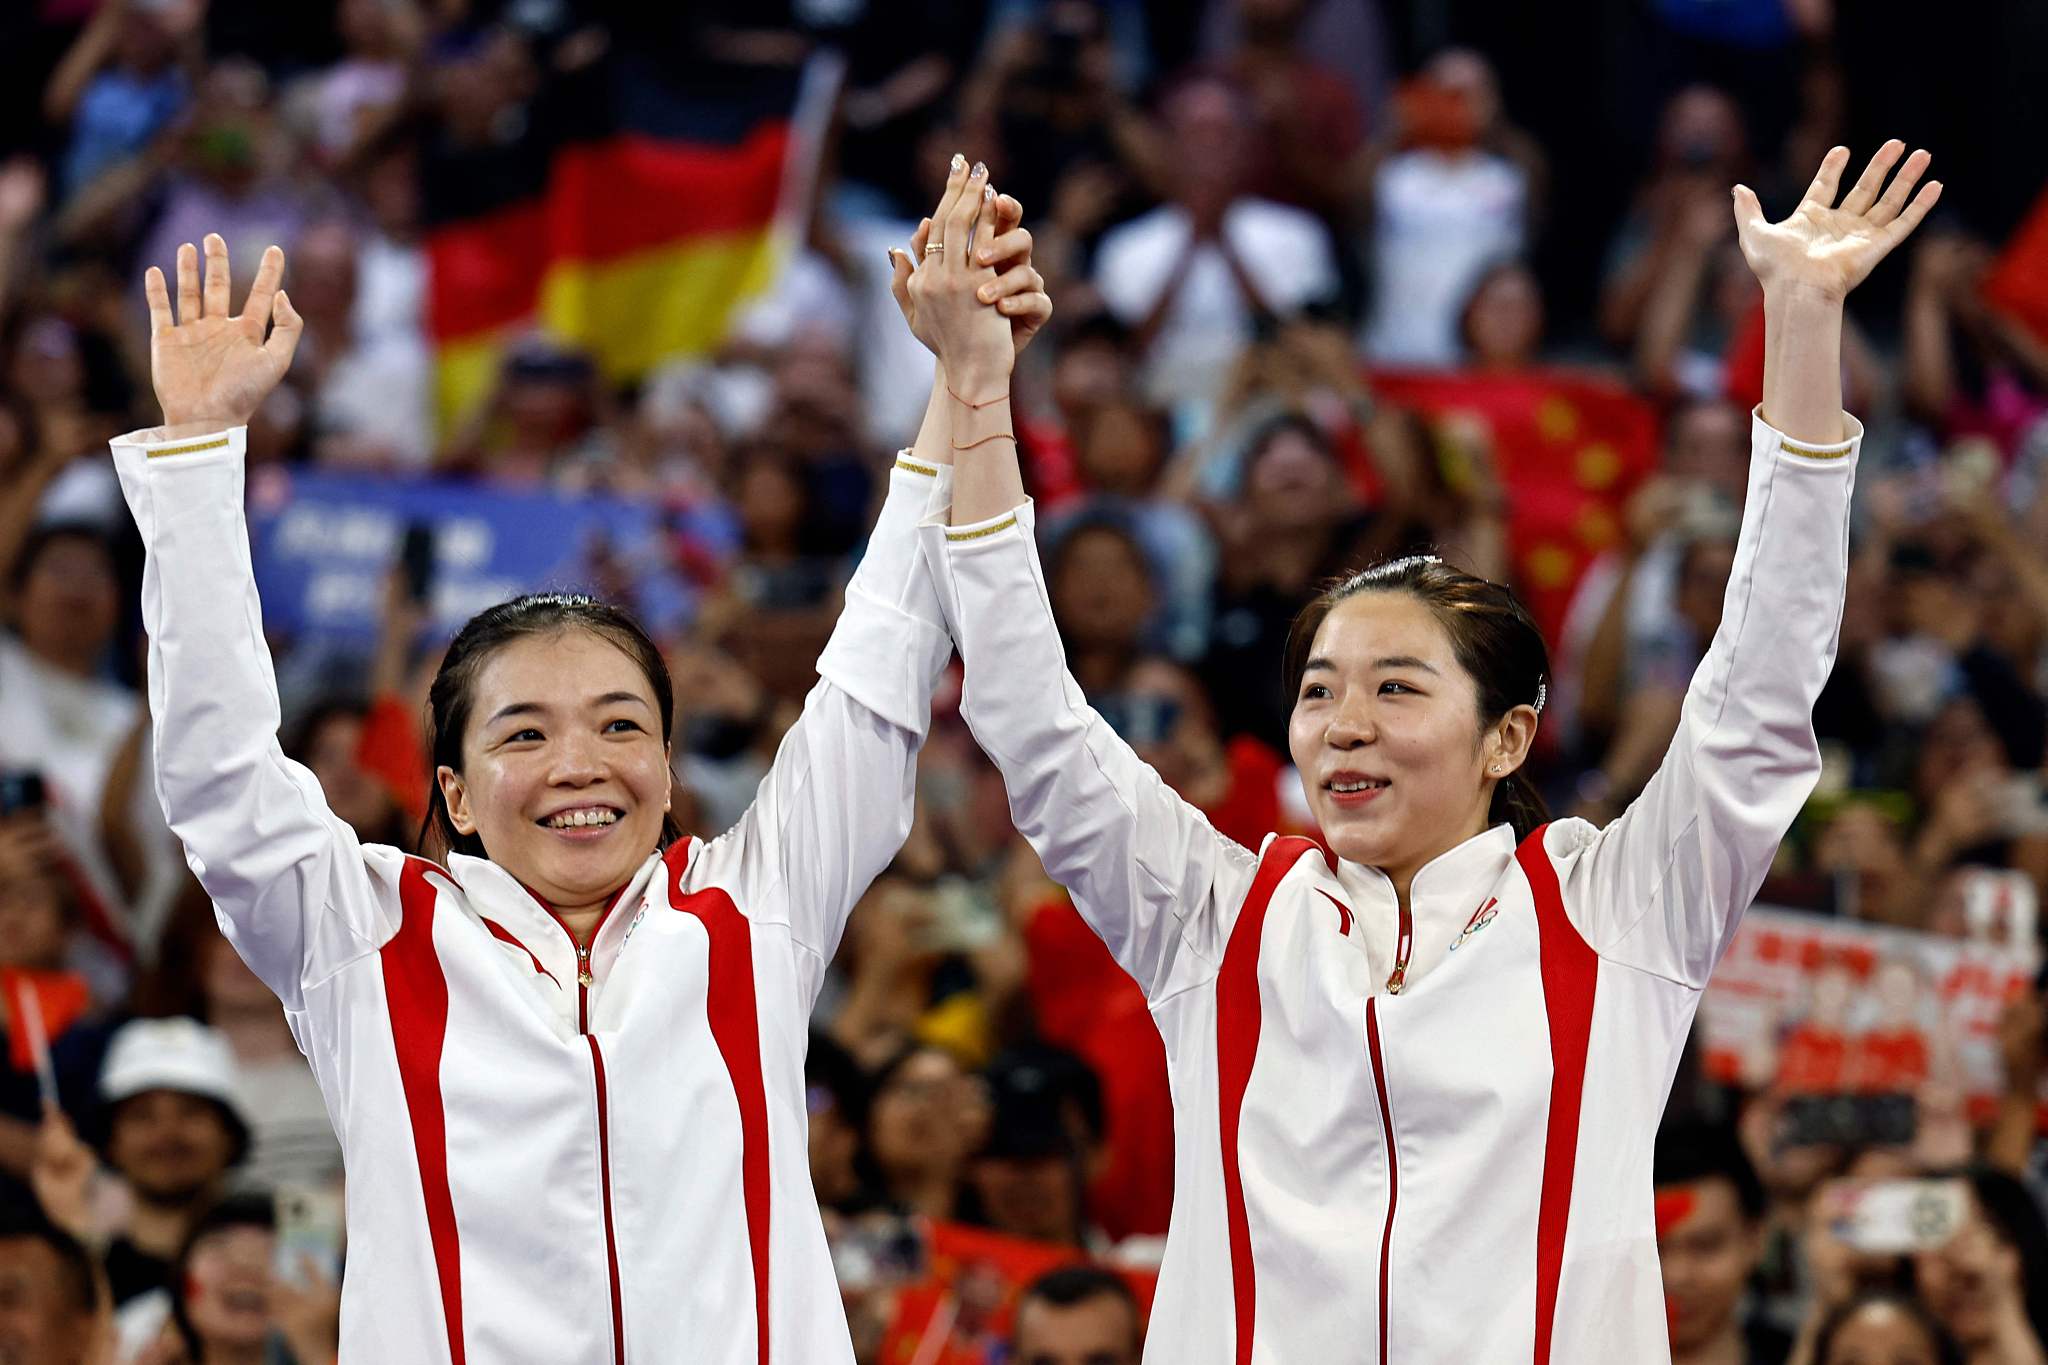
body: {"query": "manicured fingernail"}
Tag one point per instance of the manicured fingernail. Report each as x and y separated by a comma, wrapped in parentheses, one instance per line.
(959, 163)
(892, 258)
(988, 194)
(980, 169)
(986, 294)
(987, 255)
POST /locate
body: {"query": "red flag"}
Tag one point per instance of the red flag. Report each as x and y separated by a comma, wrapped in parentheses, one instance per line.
(1568, 449)
(2018, 281)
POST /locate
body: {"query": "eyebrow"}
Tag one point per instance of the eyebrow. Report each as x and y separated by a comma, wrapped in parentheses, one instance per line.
(534, 708)
(1385, 661)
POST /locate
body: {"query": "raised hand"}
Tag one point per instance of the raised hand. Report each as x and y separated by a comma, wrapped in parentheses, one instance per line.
(1826, 249)
(1017, 292)
(212, 368)
(973, 340)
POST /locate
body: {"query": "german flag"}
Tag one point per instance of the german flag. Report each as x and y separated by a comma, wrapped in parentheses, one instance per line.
(642, 204)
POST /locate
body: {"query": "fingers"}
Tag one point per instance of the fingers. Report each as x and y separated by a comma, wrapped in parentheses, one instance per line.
(1828, 179)
(1008, 213)
(919, 238)
(216, 249)
(285, 326)
(256, 308)
(957, 223)
(1018, 279)
(1005, 245)
(188, 283)
(159, 296)
(1895, 197)
(1749, 212)
(900, 270)
(1037, 308)
(1864, 193)
(1902, 226)
(956, 183)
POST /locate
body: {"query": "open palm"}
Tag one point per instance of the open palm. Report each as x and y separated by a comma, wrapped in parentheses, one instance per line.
(1828, 248)
(211, 367)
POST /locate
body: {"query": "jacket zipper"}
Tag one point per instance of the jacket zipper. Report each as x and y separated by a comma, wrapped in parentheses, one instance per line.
(1402, 946)
(1379, 1081)
(604, 1150)
(604, 1167)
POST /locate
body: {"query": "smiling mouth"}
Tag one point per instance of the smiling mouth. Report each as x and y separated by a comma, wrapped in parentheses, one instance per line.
(581, 818)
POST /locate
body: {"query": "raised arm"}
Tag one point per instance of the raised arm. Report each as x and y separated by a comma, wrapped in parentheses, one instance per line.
(838, 800)
(1146, 870)
(1662, 887)
(292, 886)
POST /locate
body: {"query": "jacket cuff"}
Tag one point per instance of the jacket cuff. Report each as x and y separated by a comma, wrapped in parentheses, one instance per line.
(1765, 439)
(151, 444)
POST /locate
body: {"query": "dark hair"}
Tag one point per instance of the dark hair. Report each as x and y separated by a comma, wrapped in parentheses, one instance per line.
(2009, 1206)
(1074, 1284)
(1273, 428)
(50, 533)
(1496, 269)
(24, 1220)
(1946, 1351)
(483, 635)
(1690, 1150)
(1492, 635)
(248, 1209)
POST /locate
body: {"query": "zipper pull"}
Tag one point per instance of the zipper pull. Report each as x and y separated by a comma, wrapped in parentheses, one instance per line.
(1394, 981)
(583, 965)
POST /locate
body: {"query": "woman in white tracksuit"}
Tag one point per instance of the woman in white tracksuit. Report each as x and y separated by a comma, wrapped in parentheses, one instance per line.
(567, 1068)
(1416, 1088)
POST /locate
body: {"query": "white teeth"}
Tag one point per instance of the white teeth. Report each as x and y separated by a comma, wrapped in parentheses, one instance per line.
(577, 819)
(1355, 786)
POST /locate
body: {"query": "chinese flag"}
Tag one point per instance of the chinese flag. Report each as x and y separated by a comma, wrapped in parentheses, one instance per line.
(1568, 450)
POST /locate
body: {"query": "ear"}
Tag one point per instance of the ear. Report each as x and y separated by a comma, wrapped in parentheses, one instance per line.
(455, 792)
(668, 793)
(1507, 744)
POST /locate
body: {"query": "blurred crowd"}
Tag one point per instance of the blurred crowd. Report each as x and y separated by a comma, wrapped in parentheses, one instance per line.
(1248, 212)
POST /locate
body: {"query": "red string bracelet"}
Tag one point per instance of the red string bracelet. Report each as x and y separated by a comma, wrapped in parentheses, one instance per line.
(998, 436)
(973, 406)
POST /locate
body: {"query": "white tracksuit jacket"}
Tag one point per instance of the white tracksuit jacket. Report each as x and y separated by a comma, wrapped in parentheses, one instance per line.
(541, 1167)
(1457, 1172)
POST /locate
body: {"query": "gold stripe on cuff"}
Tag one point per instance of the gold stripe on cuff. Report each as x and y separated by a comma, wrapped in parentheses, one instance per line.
(217, 443)
(1005, 524)
(1811, 453)
(913, 467)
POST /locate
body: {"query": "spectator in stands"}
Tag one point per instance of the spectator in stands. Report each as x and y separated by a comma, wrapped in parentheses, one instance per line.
(1440, 210)
(1078, 1315)
(837, 1094)
(927, 1117)
(1969, 369)
(122, 82)
(1702, 149)
(1884, 1327)
(232, 1305)
(174, 1130)
(1500, 328)
(1104, 594)
(370, 392)
(1030, 1178)
(329, 740)
(49, 1293)
(1710, 1208)
(1195, 276)
(1989, 1285)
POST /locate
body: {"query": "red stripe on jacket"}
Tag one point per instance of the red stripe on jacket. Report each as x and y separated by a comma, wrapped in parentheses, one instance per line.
(1237, 1046)
(736, 1028)
(416, 998)
(1570, 971)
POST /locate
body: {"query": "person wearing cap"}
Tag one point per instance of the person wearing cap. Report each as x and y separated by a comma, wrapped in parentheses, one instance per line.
(174, 1131)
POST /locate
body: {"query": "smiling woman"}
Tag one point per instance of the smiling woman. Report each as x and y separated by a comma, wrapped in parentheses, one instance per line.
(566, 1067)
(1376, 1139)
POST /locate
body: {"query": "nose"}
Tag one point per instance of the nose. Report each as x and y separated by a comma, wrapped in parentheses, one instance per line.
(578, 762)
(1351, 726)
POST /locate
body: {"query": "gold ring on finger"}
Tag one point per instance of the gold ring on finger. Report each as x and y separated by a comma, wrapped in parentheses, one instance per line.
(934, 248)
